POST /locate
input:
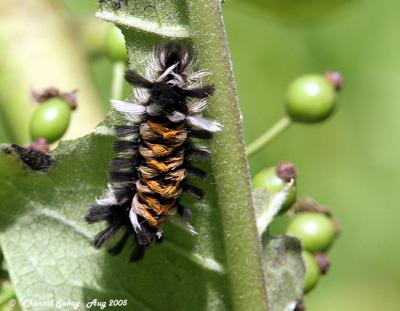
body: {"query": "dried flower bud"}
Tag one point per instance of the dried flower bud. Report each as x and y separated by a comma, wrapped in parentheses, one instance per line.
(300, 306)
(323, 262)
(39, 145)
(69, 97)
(335, 78)
(286, 171)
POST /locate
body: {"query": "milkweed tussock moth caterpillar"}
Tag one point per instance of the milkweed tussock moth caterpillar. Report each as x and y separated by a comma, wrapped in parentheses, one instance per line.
(155, 149)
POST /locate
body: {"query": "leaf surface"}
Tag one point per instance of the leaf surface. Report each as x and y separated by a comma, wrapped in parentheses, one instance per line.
(284, 272)
(47, 244)
(44, 237)
(48, 247)
(283, 264)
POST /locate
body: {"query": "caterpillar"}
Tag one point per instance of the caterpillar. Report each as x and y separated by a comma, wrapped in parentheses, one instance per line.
(155, 150)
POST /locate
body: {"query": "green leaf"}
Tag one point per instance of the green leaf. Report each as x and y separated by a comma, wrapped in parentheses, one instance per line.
(283, 263)
(267, 206)
(145, 23)
(284, 272)
(47, 244)
(166, 18)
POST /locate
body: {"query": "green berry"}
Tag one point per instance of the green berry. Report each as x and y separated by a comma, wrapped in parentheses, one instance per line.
(269, 180)
(310, 99)
(115, 44)
(50, 120)
(315, 230)
(312, 272)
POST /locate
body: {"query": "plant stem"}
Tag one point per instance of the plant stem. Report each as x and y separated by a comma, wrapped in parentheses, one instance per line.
(229, 164)
(117, 85)
(268, 136)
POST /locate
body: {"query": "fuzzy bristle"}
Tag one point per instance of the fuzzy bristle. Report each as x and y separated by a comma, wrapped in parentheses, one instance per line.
(98, 213)
(197, 172)
(195, 192)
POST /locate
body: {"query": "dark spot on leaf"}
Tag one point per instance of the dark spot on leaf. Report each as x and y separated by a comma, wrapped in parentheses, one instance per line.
(6, 150)
(37, 161)
(177, 276)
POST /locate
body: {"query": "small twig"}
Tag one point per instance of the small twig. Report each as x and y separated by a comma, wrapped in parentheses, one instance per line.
(268, 136)
(117, 80)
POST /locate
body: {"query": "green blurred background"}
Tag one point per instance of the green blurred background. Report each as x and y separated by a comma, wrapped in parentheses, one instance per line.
(349, 163)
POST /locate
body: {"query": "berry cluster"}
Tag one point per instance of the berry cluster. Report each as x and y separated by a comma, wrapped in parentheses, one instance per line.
(316, 228)
(312, 224)
(309, 99)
